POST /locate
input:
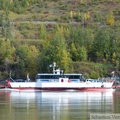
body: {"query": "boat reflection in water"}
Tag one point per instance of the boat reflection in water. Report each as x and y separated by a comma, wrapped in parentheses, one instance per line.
(28, 105)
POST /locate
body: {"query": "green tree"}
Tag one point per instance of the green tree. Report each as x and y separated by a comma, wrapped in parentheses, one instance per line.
(32, 60)
(43, 32)
(101, 45)
(94, 75)
(73, 52)
(27, 59)
(5, 21)
(6, 55)
(57, 50)
(82, 54)
(6, 29)
(21, 59)
(1, 19)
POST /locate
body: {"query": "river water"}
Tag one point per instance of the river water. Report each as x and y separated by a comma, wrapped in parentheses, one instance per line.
(31, 105)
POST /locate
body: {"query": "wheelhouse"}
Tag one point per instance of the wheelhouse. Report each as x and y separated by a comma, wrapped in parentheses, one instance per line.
(55, 77)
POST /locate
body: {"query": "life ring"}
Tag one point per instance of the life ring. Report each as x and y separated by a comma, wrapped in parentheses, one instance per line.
(69, 80)
(62, 80)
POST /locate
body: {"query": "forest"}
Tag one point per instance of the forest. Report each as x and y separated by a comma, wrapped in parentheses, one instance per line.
(81, 36)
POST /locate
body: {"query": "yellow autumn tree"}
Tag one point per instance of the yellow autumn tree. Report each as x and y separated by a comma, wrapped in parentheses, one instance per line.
(27, 3)
(110, 18)
(114, 57)
(11, 1)
(71, 14)
(86, 16)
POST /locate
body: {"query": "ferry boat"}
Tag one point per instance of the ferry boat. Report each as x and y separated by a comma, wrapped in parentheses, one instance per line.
(58, 81)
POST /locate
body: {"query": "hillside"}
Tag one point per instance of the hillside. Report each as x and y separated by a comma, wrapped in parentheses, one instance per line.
(89, 12)
(60, 11)
(85, 32)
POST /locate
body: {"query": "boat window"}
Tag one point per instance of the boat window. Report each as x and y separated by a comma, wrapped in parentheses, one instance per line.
(20, 80)
(46, 77)
(72, 76)
(57, 76)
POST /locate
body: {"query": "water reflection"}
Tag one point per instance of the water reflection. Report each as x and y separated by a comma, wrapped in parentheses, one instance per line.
(25, 105)
(116, 101)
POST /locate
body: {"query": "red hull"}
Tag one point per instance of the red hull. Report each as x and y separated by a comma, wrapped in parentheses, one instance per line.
(65, 89)
(2, 86)
(116, 86)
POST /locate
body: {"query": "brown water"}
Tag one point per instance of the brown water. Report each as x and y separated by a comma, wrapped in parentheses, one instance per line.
(26, 105)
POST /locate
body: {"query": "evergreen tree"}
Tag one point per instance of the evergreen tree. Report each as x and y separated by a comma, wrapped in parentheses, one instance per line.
(101, 44)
